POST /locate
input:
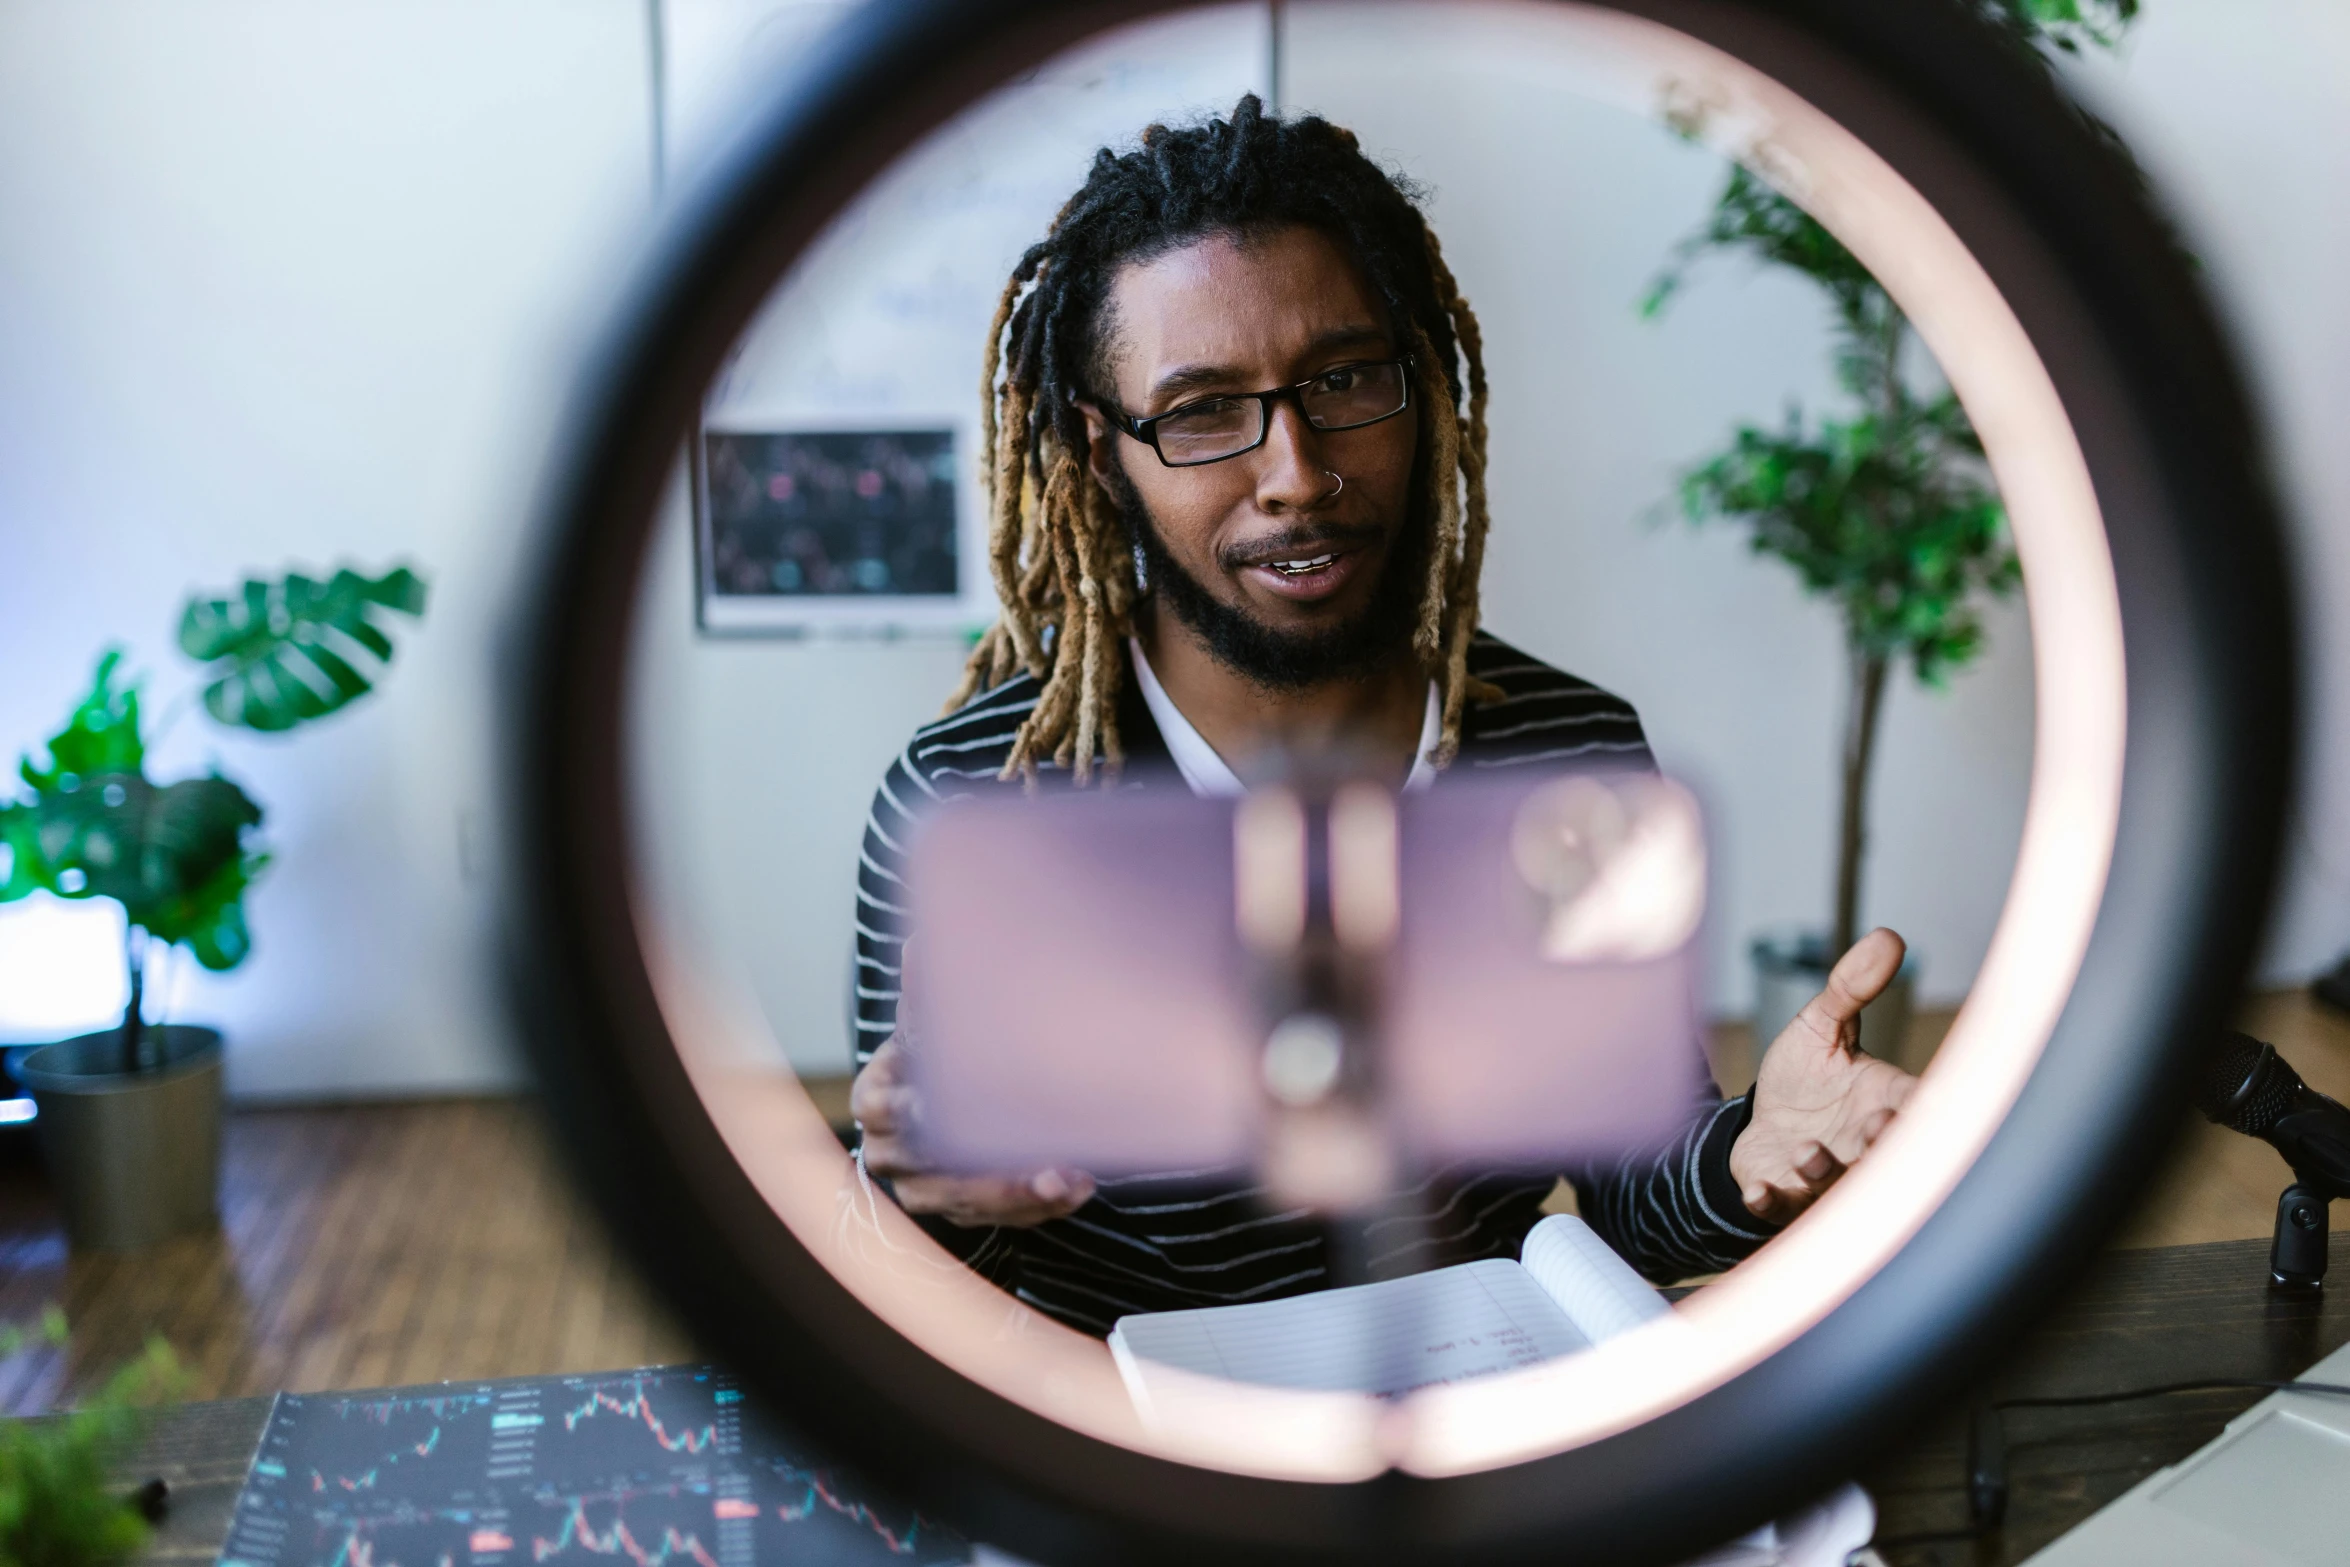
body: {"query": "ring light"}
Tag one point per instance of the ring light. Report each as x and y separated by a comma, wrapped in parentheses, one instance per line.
(2024, 251)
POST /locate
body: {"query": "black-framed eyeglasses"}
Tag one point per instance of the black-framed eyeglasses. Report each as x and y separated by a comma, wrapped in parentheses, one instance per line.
(1345, 397)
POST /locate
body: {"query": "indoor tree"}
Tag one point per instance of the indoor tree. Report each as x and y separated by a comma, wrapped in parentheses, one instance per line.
(277, 653)
(1888, 511)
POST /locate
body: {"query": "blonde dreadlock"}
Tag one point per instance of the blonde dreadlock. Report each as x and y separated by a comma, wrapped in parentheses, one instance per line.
(1059, 550)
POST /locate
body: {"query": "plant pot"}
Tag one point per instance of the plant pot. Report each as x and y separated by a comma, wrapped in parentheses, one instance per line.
(1791, 969)
(135, 1155)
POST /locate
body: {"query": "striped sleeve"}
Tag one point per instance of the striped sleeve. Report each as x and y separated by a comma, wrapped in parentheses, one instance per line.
(881, 919)
(1673, 1212)
(946, 760)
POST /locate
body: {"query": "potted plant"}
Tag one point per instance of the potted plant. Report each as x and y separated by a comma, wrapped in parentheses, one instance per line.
(130, 1116)
(1888, 512)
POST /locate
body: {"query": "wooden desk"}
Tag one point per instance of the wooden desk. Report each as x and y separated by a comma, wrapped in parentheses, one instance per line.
(200, 1451)
(2163, 1314)
(2140, 1318)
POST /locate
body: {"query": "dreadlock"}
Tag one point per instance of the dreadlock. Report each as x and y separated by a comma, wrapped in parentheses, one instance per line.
(1059, 549)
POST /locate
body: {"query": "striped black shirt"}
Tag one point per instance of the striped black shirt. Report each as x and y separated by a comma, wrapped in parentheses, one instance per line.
(1205, 1238)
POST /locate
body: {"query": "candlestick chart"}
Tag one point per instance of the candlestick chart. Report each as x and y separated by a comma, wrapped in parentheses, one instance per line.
(400, 1442)
(663, 1467)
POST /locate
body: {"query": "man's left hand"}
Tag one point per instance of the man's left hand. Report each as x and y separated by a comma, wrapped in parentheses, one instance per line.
(1819, 1103)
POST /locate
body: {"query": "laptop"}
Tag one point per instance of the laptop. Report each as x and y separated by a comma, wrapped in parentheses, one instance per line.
(2272, 1490)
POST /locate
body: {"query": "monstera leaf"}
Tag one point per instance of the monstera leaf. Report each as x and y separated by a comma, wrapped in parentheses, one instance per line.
(102, 736)
(173, 857)
(178, 858)
(285, 652)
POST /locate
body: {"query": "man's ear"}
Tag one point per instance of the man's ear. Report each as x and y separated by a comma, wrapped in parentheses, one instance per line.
(1101, 449)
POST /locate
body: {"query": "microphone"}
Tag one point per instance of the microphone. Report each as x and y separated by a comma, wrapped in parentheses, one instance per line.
(2247, 1087)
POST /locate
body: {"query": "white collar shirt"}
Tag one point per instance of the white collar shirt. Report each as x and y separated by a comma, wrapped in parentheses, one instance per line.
(1209, 774)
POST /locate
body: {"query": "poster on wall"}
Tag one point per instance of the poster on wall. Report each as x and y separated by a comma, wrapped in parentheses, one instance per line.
(829, 530)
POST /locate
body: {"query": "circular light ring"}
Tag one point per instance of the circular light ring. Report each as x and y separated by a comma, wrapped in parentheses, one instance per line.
(1763, 1305)
(2059, 232)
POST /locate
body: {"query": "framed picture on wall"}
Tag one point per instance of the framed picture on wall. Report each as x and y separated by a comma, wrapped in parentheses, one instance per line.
(809, 530)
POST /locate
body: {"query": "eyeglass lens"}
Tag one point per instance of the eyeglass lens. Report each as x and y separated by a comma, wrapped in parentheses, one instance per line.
(1335, 400)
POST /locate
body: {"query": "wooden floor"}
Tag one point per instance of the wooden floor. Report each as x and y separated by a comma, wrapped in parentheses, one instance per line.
(368, 1246)
(359, 1247)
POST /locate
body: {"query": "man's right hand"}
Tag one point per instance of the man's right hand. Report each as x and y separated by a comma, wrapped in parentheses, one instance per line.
(883, 1102)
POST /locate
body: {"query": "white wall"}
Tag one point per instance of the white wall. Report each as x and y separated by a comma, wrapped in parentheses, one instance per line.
(286, 281)
(2239, 111)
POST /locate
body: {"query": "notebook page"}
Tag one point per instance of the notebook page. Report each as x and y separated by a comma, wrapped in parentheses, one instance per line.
(1597, 1289)
(1390, 1337)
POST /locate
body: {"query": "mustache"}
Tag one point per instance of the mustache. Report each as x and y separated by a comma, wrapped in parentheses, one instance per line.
(1319, 538)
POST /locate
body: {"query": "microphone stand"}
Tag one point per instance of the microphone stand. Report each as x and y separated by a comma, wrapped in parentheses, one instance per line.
(2249, 1088)
(2310, 1135)
(2297, 1252)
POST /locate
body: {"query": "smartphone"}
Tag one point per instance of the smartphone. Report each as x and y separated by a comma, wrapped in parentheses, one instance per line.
(1079, 992)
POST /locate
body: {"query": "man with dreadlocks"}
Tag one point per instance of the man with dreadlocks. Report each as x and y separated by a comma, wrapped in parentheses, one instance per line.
(1235, 458)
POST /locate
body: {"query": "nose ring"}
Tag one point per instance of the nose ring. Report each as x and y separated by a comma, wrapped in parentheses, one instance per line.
(1341, 478)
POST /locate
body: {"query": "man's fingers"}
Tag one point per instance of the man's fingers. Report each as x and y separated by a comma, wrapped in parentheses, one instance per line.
(1890, 1088)
(871, 1091)
(881, 1100)
(1818, 1167)
(974, 1200)
(1775, 1204)
(874, 1109)
(966, 1199)
(887, 1158)
(1810, 1171)
(1070, 1189)
(881, 1110)
(1859, 977)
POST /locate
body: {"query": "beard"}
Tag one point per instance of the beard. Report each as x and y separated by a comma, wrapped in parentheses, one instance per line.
(1268, 656)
